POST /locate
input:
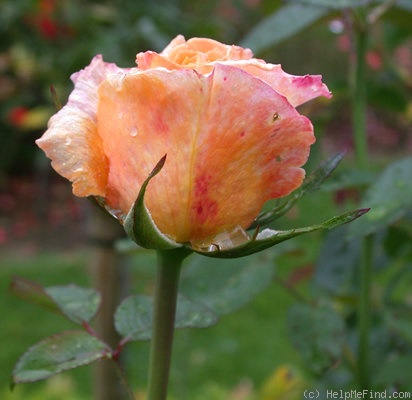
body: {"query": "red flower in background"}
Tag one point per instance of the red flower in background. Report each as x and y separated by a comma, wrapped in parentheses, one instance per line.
(46, 21)
(17, 116)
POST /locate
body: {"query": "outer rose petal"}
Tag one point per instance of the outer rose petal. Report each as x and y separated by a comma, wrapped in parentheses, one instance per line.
(232, 143)
(71, 141)
(202, 55)
(297, 89)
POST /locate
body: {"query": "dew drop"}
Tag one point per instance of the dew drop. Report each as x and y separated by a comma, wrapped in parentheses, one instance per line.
(68, 141)
(133, 132)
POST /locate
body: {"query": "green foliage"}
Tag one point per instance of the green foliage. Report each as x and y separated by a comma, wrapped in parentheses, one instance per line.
(318, 332)
(390, 199)
(397, 371)
(58, 353)
(56, 388)
(224, 287)
(287, 21)
(337, 275)
(76, 303)
(133, 318)
(336, 264)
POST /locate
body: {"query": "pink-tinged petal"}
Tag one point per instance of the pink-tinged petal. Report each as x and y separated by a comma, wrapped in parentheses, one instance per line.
(232, 143)
(297, 89)
(71, 141)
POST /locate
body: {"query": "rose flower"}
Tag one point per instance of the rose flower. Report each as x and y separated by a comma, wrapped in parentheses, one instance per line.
(226, 121)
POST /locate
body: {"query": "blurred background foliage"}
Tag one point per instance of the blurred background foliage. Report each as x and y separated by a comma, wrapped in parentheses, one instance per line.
(283, 340)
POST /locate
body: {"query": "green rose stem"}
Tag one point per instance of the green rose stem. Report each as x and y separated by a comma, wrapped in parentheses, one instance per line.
(164, 311)
(359, 107)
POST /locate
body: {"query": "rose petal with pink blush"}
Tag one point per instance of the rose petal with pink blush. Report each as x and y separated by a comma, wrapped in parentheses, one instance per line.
(232, 143)
(297, 89)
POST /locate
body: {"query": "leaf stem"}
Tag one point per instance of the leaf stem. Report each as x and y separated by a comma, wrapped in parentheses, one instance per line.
(164, 311)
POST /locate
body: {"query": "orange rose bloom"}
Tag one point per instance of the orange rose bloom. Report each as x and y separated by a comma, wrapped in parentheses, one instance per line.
(226, 121)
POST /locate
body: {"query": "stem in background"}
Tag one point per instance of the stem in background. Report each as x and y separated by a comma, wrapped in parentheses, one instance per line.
(364, 313)
(359, 96)
(164, 311)
(109, 273)
(359, 108)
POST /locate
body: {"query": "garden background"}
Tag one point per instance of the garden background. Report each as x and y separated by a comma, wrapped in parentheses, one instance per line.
(300, 328)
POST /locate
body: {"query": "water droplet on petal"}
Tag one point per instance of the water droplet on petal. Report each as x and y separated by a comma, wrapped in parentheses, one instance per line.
(133, 132)
(118, 214)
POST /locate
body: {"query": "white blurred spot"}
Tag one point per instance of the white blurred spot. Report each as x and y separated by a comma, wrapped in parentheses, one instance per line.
(336, 26)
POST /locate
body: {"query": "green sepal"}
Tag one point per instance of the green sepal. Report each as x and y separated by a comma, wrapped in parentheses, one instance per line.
(139, 224)
(268, 237)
